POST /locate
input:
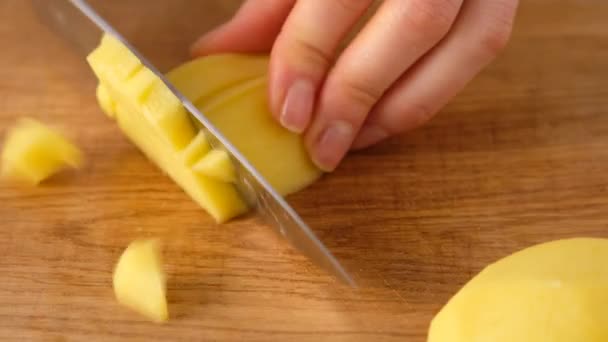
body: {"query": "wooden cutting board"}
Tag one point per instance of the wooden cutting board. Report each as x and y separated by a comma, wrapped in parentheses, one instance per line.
(518, 158)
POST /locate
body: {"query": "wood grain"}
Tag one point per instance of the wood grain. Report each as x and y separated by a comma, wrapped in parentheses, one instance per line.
(518, 158)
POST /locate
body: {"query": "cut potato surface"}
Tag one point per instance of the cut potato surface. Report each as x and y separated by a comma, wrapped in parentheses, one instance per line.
(112, 61)
(167, 114)
(204, 78)
(155, 121)
(242, 114)
(552, 292)
(221, 200)
(105, 101)
(230, 89)
(217, 165)
(196, 149)
(137, 88)
(34, 152)
(139, 280)
(278, 154)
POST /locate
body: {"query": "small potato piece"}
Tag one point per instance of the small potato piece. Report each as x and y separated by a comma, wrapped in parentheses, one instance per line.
(139, 280)
(34, 152)
(217, 165)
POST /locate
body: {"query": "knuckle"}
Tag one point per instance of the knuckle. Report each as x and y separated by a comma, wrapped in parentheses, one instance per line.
(360, 92)
(432, 17)
(310, 53)
(396, 117)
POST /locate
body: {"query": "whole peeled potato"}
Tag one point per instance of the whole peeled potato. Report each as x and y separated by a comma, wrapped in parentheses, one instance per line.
(552, 292)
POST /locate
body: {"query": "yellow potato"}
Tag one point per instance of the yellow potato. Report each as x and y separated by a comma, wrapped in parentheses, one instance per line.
(112, 62)
(105, 101)
(221, 200)
(230, 89)
(204, 78)
(34, 152)
(168, 115)
(217, 165)
(242, 114)
(156, 122)
(552, 292)
(196, 150)
(139, 280)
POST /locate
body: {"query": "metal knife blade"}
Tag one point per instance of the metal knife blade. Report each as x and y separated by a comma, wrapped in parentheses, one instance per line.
(81, 25)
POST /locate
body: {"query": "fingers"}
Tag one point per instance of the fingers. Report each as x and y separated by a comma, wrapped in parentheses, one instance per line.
(252, 30)
(399, 34)
(303, 53)
(481, 31)
(403, 64)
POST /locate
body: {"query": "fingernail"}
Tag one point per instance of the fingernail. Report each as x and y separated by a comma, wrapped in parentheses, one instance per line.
(332, 145)
(298, 106)
(369, 135)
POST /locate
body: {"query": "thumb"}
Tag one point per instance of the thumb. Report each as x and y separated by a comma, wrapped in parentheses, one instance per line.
(253, 29)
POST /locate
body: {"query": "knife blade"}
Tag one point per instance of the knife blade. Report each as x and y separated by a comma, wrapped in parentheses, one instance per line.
(81, 25)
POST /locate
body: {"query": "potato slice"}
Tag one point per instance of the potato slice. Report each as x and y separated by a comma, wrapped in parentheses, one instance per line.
(34, 152)
(217, 165)
(554, 292)
(243, 116)
(204, 78)
(139, 280)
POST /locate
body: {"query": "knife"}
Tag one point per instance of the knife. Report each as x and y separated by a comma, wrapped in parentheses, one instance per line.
(81, 25)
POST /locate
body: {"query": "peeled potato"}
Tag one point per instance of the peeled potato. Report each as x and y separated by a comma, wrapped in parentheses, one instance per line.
(552, 292)
(221, 200)
(230, 90)
(156, 122)
(139, 280)
(196, 150)
(217, 164)
(34, 152)
(105, 101)
(112, 62)
(242, 114)
(204, 78)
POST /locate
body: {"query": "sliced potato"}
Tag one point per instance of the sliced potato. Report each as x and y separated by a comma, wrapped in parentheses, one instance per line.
(242, 114)
(155, 121)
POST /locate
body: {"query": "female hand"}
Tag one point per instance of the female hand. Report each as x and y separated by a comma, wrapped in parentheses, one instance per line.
(406, 63)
